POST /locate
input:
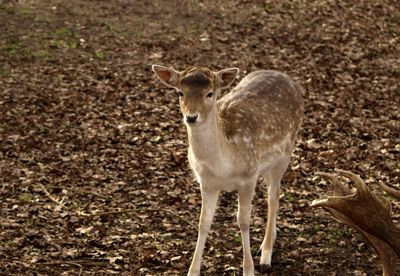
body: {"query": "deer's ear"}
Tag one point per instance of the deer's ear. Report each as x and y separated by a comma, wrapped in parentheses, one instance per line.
(167, 76)
(227, 76)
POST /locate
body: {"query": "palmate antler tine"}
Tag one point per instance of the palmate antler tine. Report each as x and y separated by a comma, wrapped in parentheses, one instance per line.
(391, 191)
(339, 188)
(358, 182)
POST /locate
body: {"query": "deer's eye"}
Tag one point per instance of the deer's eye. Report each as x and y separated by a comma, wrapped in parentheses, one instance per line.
(209, 95)
(180, 94)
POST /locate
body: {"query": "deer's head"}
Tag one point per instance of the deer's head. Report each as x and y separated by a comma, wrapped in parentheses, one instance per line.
(198, 88)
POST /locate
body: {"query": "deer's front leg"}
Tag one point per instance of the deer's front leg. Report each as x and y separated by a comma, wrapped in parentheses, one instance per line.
(208, 206)
(243, 217)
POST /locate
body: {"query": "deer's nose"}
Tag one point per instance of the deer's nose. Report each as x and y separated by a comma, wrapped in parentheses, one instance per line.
(191, 119)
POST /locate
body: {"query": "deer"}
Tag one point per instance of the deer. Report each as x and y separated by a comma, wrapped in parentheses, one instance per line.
(234, 139)
(367, 212)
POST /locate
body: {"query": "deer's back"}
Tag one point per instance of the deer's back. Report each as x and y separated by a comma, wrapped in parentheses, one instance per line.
(264, 108)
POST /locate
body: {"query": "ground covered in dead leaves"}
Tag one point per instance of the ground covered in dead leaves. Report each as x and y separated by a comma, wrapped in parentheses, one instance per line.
(93, 170)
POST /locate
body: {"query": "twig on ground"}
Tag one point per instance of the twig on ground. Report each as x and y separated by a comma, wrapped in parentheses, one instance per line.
(391, 191)
(78, 191)
(59, 203)
(76, 263)
(53, 199)
(140, 210)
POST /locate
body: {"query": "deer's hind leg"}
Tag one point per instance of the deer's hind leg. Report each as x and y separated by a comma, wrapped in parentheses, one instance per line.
(273, 179)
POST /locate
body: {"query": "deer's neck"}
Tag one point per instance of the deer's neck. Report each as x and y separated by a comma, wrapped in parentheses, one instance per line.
(207, 140)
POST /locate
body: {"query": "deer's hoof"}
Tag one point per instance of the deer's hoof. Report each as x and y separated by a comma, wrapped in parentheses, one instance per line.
(265, 268)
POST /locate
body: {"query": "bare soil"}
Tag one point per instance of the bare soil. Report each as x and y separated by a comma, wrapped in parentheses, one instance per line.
(93, 171)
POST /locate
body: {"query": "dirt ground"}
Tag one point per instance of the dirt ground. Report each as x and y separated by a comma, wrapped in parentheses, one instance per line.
(94, 178)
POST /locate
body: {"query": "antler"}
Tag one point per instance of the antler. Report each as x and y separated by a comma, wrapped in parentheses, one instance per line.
(368, 213)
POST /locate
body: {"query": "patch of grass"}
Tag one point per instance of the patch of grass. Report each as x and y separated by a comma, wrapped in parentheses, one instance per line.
(56, 43)
(270, 8)
(42, 54)
(109, 27)
(317, 228)
(63, 38)
(4, 72)
(14, 49)
(23, 11)
(5, 244)
(137, 35)
(106, 26)
(335, 235)
(25, 198)
(62, 32)
(100, 54)
(290, 197)
(238, 238)
(73, 44)
(18, 50)
(62, 44)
